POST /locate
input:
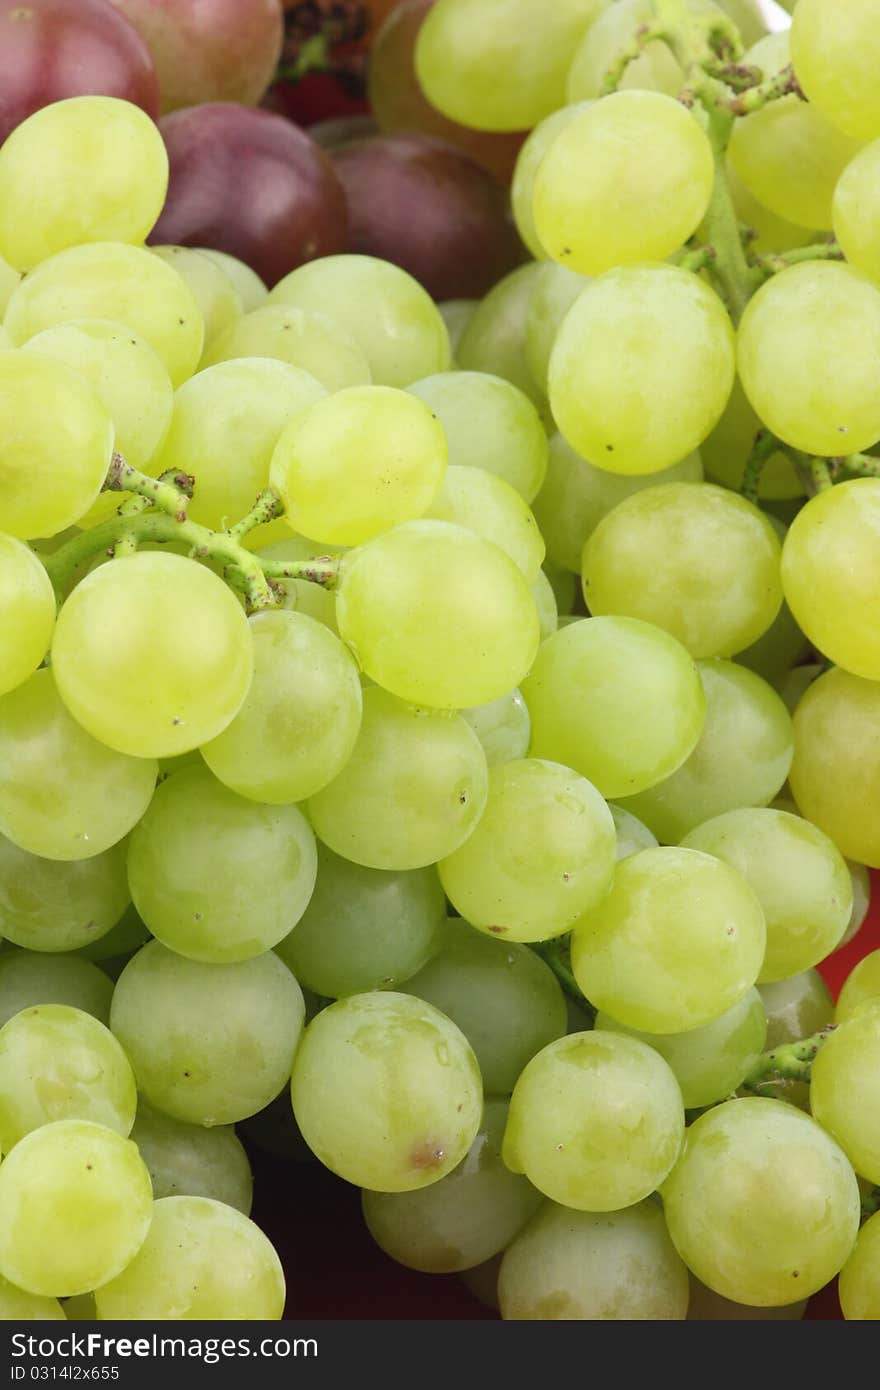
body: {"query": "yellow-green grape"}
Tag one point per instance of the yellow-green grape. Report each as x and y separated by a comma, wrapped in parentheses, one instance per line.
(845, 1088)
(56, 443)
(545, 602)
(707, 1306)
(59, 1063)
(678, 941)
(564, 586)
(794, 685)
(627, 179)
(301, 595)
(18, 1306)
(632, 835)
(50, 905)
(108, 280)
(202, 1260)
(748, 16)
(779, 651)
(862, 986)
(248, 286)
(617, 700)
(462, 1220)
(726, 451)
(75, 1207)
(411, 792)
(32, 977)
(771, 232)
(835, 776)
(596, 1121)
(859, 1283)
(788, 155)
(9, 279)
(503, 727)
(494, 341)
(364, 928)
(191, 1161)
(300, 719)
(836, 49)
(642, 368)
(762, 1206)
(63, 794)
(490, 425)
(391, 318)
(456, 314)
(217, 877)
(305, 339)
(861, 888)
(91, 168)
(386, 1091)
(742, 758)
(502, 996)
(210, 1044)
(576, 1266)
(554, 291)
(857, 211)
(808, 346)
(27, 612)
(528, 161)
(605, 44)
(541, 855)
(709, 1062)
(437, 615)
(181, 665)
(500, 67)
(491, 508)
(212, 288)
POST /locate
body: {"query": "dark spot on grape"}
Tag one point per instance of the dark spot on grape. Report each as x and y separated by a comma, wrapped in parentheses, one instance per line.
(462, 798)
(181, 322)
(186, 1073)
(795, 1274)
(197, 917)
(88, 1167)
(609, 448)
(566, 878)
(428, 1154)
(499, 931)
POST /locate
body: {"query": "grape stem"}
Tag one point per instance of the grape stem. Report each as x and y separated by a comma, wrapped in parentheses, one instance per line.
(645, 34)
(764, 447)
(773, 262)
(863, 464)
(784, 84)
(871, 1203)
(790, 1062)
(171, 492)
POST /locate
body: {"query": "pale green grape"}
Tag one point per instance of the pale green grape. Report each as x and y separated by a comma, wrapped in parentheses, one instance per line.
(859, 1284)
(91, 168)
(9, 278)
(249, 287)
(411, 792)
(51, 905)
(742, 758)
(56, 443)
(541, 855)
(64, 795)
(808, 346)
(554, 291)
(499, 67)
(862, 986)
(795, 683)
(364, 928)
(300, 719)
(59, 1063)
(565, 587)
(210, 1044)
(502, 996)
(836, 50)
(18, 1306)
(180, 664)
(489, 424)
(202, 1260)
(456, 314)
(845, 1088)
(632, 835)
(576, 1266)
(437, 615)
(856, 211)
(305, 339)
(861, 888)
(27, 612)
(627, 179)
(604, 45)
(212, 288)
(31, 977)
(503, 727)
(772, 233)
(386, 1091)
(191, 1161)
(522, 188)
(596, 1121)
(709, 1062)
(462, 1220)
(762, 1206)
(75, 1207)
(616, 699)
(726, 451)
(121, 941)
(707, 1306)
(796, 1008)
(391, 318)
(301, 595)
(642, 368)
(494, 341)
(777, 654)
(217, 877)
(491, 508)
(545, 601)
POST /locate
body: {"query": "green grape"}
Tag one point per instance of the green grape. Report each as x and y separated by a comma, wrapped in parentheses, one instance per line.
(91, 168)
(490, 425)
(300, 719)
(778, 653)
(456, 314)
(596, 1121)
(301, 595)
(63, 795)
(191, 1161)
(487, 505)
(27, 612)
(642, 368)
(541, 855)
(525, 172)
(411, 792)
(386, 1091)
(53, 905)
(462, 1220)
(275, 1131)
(742, 758)
(605, 44)
(726, 451)
(762, 1205)
(862, 986)
(18, 1306)
(859, 1283)
(364, 928)
(711, 1062)
(75, 1207)
(503, 727)
(180, 668)
(304, 339)
(565, 589)
(617, 700)
(59, 1063)
(9, 279)
(202, 1260)
(217, 877)
(856, 211)
(210, 1044)
(437, 615)
(56, 443)
(212, 288)
(501, 995)
(482, 1282)
(796, 1008)
(771, 232)
(545, 602)
(31, 977)
(836, 50)
(499, 67)
(627, 155)
(632, 836)
(794, 684)
(845, 1088)
(748, 16)
(554, 291)
(861, 888)
(808, 345)
(578, 1266)
(707, 1306)
(390, 317)
(248, 286)
(122, 940)
(494, 341)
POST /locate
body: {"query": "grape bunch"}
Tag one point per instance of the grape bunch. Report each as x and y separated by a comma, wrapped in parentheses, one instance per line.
(469, 808)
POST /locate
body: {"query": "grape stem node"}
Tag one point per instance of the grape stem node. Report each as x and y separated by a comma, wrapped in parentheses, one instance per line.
(790, 1062)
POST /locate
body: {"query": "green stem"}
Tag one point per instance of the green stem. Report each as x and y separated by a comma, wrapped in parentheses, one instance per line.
(871, 1203)
(171, 492)
(820, 474)
(730, 268)
(784, 84)
(775, 261)
(863, 464)
(267, 507)
(790, 1062)
(645, 34)
(765, 445)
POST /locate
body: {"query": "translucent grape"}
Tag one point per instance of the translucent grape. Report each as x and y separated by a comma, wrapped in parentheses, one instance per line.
(456, 314)
(836, 49)
(707, 1306)
(861, 887)
(503, 727)
(491, 508)
(528, 162)
(554, 290)
(27, 613)
(845, 1089)
(494, 340)
(248, 286)
(632, 836)
(9, 278)
(797, 1007)
(305, 339)
(29, 977)
(856, 211)
(859, 1283)
(862, 986)
(18, 1306)
(191, 1161)
(605, 44)
(52, 905)
(212, 288)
